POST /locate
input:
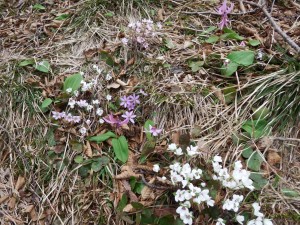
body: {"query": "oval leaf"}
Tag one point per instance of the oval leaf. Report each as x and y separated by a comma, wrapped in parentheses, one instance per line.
(73, 82)
(102, 137)
(120, 147)
(46, 103)
(43, 66)
(244, 58)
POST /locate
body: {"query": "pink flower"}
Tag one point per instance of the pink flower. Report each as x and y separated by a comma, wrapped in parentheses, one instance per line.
(129, 116)
(115, 120)
(154, 131)
(242, 44)
(223, 10)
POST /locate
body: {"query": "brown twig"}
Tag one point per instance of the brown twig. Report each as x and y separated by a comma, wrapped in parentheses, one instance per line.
(276, 27)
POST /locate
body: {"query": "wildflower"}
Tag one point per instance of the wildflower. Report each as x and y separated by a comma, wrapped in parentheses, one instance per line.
(187, 218)
(220, 221)
(172, 147)
(196, 173)
(97, 69)
(164, 178)
(76, 119)
(108, 76)
(134, 99)
(175, 177)
(115, 121)
(108, 97)
(217, 158)
(154, 131)
(240, 219)
(82, 130)
(99, 111)
(156, 168)
(126, 102)
(69, 90)
(176, 167)
(178, 151)
(101, 121)
(179, 195)
(56, 115)
(69, 117)
(242, 44)
(203, 184)
(95, 102)
(234, 203)
(143, 92)
(88, 122)
(89, 107)
(191, 150)
(124, 41)
(76, 93)
(82, 103)
(223, 10)
(256, 208)
(159, 26)
(129, 116)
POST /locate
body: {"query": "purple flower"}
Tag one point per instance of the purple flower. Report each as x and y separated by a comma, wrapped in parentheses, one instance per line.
(129, 116)
(242, 44)
(223, 10)
(76, 119)
(114, 120)
(69, 117)
(143, 92)
(134, 99)
(55, 115)
(154, 131)
(125, 101)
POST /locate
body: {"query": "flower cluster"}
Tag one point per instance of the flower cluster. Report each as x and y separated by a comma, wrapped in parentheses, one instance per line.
(184, 175)
(260, 220)
(238, 179)
(68, 117)
(191, 150)
(129, 102)
(140, 32)
(233, 204)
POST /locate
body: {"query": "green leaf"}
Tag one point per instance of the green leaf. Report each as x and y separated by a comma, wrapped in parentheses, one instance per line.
(26, 62)
(256, 128)
(195, 66)
(254, 161)
(209, 30)
(212, 39)
(229, 69)
(109, 14)
(78, 159)
(244, 58)
(43, 66)
(122, 203)
(254, 42)
(62, 17)
(247, 152)
(260, 113)
(46, 103)
(290, 193)
(73, 82)
(230, 34)
(169, 43)
(138, 188)
(137, 205)
(102, 137)
(258, 180)
(38, 7)
(120, 147)
(83, 171)
(229, 93)
(146, 126)
(99, 163)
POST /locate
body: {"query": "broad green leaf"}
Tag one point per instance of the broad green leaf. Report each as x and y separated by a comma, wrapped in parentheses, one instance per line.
(43, 66)
(138, 188)
(254, 161)
(46, 103)
(62, 17)
(247, 152)
(256, 128)
(254, 42)
(258, 180)
(137, 205)
(38, 7)
(290, 193)
(78, 159)
(120, 147)
(102, 137)
(230, 34)
(73, 82)
(26, 62)
(99, 163)
(83, 171)
(169, 43)
(195, 66)
(229, 69)
(244, 58)
(212, 39)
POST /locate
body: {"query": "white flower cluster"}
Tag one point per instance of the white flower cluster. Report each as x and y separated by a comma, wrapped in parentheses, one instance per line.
(184, 175)
(233, 204)
(260, 220)
(140, 31)
(86, 86)
(238, 179)
(191, 150)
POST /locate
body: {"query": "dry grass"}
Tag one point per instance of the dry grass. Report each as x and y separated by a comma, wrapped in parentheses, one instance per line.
(180, 101)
